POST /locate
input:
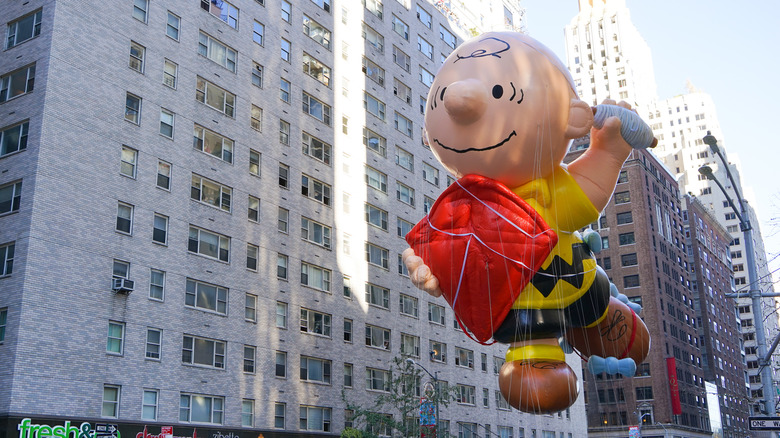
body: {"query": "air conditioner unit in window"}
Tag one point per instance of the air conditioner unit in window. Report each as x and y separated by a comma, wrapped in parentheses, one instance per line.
(122, 285)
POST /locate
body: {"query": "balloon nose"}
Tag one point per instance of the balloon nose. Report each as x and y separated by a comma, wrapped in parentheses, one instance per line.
(465, 101)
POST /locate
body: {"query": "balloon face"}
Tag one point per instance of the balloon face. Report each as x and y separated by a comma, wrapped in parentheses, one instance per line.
(499, 108)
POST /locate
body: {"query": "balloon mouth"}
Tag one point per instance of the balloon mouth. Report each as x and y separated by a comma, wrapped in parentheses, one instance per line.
(463, 151)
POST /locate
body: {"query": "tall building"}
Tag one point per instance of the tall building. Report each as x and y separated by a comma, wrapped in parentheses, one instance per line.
(645, 257)
(202, 210)
(723, 355)
(680, 124)
(607, 56)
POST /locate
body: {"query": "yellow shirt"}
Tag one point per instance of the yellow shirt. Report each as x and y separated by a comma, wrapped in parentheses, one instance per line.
(565, 207)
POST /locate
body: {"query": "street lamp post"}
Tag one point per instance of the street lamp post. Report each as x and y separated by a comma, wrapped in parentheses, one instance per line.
(754, 289)
(435, 378)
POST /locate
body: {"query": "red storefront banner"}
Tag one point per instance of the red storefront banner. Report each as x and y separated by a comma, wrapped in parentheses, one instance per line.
(674, 390)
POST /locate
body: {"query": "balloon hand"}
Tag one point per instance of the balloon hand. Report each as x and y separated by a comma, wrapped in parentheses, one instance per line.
(420, 273)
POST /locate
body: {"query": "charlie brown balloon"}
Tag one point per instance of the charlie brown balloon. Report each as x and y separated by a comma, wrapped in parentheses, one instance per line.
(502, 243)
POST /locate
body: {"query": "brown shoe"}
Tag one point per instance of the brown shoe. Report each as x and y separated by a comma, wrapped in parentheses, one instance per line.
(538, 386)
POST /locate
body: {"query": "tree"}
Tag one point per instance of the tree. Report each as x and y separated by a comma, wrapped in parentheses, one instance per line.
(396, 410)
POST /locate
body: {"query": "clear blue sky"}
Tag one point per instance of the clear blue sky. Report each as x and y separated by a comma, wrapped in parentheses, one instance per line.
(728, 49)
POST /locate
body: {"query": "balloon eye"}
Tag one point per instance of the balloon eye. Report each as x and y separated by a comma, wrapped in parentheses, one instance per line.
(498, 91)
(441, 96)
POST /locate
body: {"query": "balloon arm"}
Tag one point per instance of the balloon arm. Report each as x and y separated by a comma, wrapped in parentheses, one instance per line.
(420, 273)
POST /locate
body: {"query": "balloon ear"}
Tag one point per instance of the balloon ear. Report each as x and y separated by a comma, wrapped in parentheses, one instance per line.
(580, 119)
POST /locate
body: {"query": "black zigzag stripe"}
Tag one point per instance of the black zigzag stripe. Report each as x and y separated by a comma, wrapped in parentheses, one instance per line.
(545, 279)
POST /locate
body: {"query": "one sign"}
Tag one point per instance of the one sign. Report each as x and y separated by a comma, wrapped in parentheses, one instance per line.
(427, 413)
(633, 432)
(764, 423)
(674, 390)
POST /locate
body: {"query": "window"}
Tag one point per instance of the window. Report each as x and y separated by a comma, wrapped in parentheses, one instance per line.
(376, 179)
(282, 219)
(153, 343)
(149, 404)
(448, 38)
(315, 276)
(631, 281)
(410, 345)
(284, 133)
(425, 47)
(376, 216)
(203, 351)
(250, 307)
(197, 408)
(404, 193)
(644, 392)
(377, 337)
(157, 285)
(257, 75)
(347, 286)
(377, 256)
(11, 197)
(124, 217)
(404, 159)
(316, 31)
(160, 229)
(374, 106)
(206, 296)
(137, 52)
(315, 323)
(249, 359)
(374, 38)
(378, 296)
(427, 204)
(435, 313)
(129, 158)
(215, 97)
(256, 118)
(170, 72)
(284, 90)
(374, 71)
(375, 142)
(133, 109)
(281, 315)
(409, 305)
(211, 193)
(378, 380)
(121, 269)
(424, 17)
(316, 190)
(212, 143)
(116, 337)
(286, 50)
(254, 162)
(313, 418)
(403, 92)
(166, 123)
(403, 125)
(315, 370)
(17, 83)
(624, 218)
(347, 330)
(258, 32)
(110, 407)
(222, 10)
(172, 26)
(247, 413)
(286, 11)
(279, 410)
(316, 108)
(426, 77)
(465, 396)
(251, 257)
(217, 52)
(629, 259)
(316, 148)
(253, 209)
(438, 351)
(316, 69)
(626, 238)
(281, 364)
(400, 27)
(315, 232)
(464, 358)
(622, 197)
(430, 174)
(402, 59)
(281, 266)
(29, 26)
